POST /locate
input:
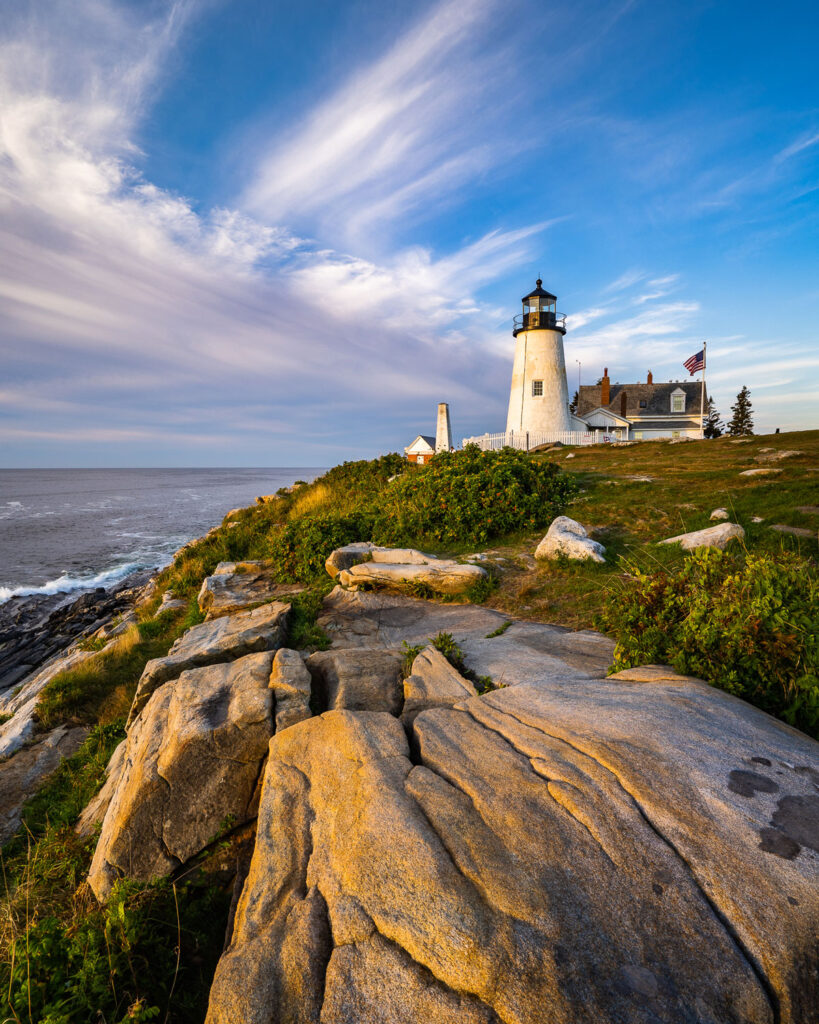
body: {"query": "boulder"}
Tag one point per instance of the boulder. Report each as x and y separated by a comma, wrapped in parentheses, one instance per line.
(441, 575)
(433, 683)
(568, 538)
(290, 682)
(593, 850)
(348, 556)
(720, 513)
(794, 531)
(236, 586)
(403, 556)
(24, 773)
(191, 764)
(808, 510)
(757, 519)
(777, 456)
(170, 603)
(759, 472)
(711, 537)
(224, 639)
(361, 679)
(387, 619)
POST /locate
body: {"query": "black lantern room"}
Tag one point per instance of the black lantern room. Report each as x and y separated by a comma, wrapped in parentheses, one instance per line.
(539, 312)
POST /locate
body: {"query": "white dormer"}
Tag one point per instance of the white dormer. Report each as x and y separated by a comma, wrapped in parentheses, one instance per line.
(677, 401)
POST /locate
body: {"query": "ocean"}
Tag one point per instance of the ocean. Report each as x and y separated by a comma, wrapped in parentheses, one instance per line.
(64, 531)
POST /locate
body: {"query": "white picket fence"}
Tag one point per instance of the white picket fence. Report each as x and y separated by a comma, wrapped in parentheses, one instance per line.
(526, 439)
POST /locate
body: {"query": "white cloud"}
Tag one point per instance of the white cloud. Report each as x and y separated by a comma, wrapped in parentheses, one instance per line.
(398, 135)
(134, 317)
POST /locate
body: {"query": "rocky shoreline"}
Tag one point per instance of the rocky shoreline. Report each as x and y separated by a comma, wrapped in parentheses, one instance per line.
(36, 628)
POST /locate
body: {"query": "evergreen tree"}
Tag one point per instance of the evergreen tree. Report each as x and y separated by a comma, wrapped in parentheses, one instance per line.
(573, 403)
(713, 423)
(741, 423)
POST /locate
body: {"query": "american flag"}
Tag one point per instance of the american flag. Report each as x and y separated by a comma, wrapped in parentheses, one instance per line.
(695, 363)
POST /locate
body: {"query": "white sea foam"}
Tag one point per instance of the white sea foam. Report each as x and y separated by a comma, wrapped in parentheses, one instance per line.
(67, 584)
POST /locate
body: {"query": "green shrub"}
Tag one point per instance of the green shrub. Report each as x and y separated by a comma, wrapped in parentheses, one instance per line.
(63, 958)
(747, 623)
(303, 633)
(471, 496)
(118, 962)
(451, 650)
(300, 548)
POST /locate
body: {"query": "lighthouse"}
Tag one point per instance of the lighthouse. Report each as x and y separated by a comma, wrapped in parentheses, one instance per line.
(539, 398)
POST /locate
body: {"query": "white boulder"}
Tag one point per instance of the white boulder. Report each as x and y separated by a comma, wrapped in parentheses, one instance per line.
(567, 537)
(719, 513)
(712, 537)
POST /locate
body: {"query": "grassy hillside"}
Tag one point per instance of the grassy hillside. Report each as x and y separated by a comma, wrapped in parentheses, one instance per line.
(687, 482)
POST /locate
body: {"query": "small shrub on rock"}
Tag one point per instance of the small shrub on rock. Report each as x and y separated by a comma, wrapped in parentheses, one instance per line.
(747, 623)
(470, 497)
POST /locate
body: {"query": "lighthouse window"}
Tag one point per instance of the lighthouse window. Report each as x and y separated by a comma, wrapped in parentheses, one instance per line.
(537, 388)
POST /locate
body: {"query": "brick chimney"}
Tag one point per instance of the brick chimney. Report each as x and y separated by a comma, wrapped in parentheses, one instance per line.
(650, 379)
(605, 388)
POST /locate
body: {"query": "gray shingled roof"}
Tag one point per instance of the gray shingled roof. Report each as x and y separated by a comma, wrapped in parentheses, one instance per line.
(656, 396)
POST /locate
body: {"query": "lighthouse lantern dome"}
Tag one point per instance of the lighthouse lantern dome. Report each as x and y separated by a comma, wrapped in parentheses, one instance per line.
(539, 312)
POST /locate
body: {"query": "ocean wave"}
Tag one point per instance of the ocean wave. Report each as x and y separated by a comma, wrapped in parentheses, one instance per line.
(68, 584)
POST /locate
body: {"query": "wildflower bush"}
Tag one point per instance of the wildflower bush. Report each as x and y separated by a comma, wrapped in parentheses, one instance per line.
(747, 623)
(472, 496)
(300, 548)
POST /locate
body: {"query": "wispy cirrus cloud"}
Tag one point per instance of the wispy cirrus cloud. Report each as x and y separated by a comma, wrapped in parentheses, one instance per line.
(400, 134)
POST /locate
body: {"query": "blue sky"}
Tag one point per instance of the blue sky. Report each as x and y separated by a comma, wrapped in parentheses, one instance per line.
(258, 233)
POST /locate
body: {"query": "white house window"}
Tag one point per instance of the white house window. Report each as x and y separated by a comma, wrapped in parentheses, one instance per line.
(537, 388)
(678, 403)
(420, 460)
(642, 403)
(638, 435)
(675, 433)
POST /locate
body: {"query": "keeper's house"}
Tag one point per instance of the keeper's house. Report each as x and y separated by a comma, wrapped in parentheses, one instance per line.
(640, 412)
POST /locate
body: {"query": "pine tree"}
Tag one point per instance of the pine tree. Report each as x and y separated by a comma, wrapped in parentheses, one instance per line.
(741, 423)
(713, 423)
(573, 403)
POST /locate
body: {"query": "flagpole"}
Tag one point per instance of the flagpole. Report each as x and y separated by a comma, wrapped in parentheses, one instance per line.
(702, 394)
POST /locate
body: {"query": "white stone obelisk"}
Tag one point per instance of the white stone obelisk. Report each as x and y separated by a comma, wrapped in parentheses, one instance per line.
(443, 431)
(539, 397)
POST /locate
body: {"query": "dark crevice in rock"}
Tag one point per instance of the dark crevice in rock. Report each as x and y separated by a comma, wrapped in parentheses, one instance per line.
(319, 693)
(326, 952)
(252, 809)
(414, 745)
(242, 869)
(746, 954)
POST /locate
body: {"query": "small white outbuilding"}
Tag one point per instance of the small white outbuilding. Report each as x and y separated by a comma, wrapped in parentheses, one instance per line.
(421, 450)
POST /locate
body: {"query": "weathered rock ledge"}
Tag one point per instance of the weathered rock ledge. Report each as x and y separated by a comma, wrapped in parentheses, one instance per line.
(567, 847)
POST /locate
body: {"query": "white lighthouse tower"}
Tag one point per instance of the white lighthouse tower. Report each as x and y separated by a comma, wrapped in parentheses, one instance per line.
(539, 399)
